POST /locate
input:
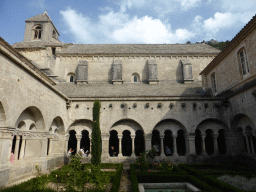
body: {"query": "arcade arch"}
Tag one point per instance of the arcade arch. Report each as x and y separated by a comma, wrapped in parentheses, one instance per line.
(210, 137)
(79, 135)
(127, 138)
(169, 133)
(244, 131)
(30, 120)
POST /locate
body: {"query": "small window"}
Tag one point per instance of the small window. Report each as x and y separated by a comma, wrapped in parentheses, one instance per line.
(214, 88)
(243, 62)
(135, 78)
(71, 78)
(53, 50)
(54, 34)
(37, 32)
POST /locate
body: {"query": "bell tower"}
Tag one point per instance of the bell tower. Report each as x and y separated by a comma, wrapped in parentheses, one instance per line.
(40, 28)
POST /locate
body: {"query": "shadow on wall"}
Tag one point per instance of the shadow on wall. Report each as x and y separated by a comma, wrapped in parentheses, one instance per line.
(110, 74)
(179, 74)
(144, 77)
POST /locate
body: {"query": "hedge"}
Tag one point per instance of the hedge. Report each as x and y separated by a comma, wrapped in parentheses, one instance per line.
(209, 179)
(116, 181)
(135, 186)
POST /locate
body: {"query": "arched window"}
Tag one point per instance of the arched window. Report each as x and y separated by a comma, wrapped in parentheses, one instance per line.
(214, 87)
(243, 61)
(53, 34)
(135, 78)
(38, 32)
(71, 77)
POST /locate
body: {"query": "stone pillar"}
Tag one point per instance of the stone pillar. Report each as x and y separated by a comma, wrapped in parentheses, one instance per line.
(162, 146)
(22, 147)
(247, 144)
(16, 150)
(216, 149)
(203, 145)
(252, 146)
(78, 138)
(190, 141)
(148, 141)
(90, 150)
(133, 146)
(120, 146)
(66, 143)
(187, 71)
(175, 146)
(105, 144)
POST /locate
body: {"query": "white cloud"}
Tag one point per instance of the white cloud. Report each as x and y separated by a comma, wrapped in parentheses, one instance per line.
(120, 28)
(187, 4)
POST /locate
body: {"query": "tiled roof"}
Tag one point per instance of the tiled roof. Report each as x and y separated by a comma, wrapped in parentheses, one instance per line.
(140, 49)
(40, 44)
(40, 17)
(100, 90)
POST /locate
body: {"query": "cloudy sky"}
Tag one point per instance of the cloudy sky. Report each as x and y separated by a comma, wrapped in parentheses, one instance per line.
(130, 21)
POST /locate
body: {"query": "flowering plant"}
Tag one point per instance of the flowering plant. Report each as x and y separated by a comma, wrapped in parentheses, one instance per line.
(151, 153)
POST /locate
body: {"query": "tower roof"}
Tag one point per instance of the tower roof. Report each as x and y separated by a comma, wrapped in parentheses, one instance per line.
(41, 17)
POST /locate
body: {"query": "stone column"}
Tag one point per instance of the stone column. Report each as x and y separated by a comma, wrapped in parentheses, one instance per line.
(174, 146)
(252, 146)
(203, 145)
(148, 141)
(16, 150)
(216, 149)
(120, 146)
(90, 150)
(22, 147)
(133, 146)
(66, 143)
(190, 141)
(105, 144)
(162, 146)
(78, 138)
(247, 144)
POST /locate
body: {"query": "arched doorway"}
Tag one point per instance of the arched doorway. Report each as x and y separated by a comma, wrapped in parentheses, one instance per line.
(85, 141)
(209, 146)
(139, 142)
(155, 141)
(113, 141)
(72, 142)
(126, 143)
(181, 145)
(198, 142)
(168, 141)
(221, 142)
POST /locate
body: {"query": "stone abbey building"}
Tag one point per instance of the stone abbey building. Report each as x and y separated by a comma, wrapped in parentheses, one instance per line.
(189, 97)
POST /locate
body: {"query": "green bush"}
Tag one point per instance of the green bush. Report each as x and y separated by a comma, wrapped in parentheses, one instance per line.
(117, 177)
(96, 135)
(209, 179)
(135, 186)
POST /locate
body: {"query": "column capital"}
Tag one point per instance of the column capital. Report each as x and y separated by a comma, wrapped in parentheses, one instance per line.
(203, 135)
(215, 135)
(161, 136)
(78, 136)
(148, 136)
(133, 136)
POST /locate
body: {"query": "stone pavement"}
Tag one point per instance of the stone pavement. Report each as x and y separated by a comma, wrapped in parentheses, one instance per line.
(125, 182)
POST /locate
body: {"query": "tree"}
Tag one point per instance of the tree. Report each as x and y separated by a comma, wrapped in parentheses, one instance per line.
(96, 135)
(188, 42)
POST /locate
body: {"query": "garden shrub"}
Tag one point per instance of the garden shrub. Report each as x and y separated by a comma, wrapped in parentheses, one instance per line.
(96, 135)
(209, 179)
(135, 186)
(117, 177)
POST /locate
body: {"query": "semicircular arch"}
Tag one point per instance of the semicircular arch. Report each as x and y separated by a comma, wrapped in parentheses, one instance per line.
(80, 125)
(211, 124)
(126, 124)
(241, 120)
(169, 124)
(58, 125)
(128, 117)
